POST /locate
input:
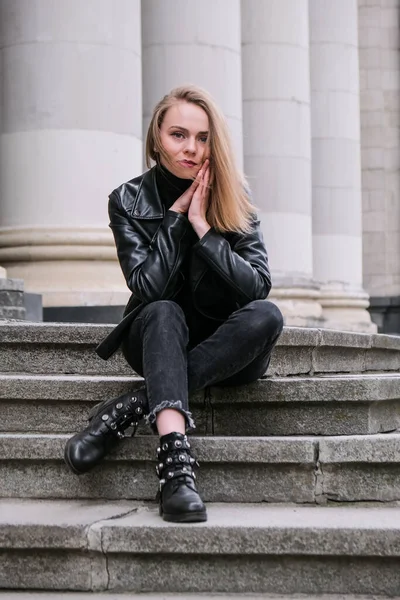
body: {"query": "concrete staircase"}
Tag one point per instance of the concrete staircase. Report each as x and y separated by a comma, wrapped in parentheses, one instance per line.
(300, 470)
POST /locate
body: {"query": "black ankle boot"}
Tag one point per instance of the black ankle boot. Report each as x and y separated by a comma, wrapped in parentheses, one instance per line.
(179, 499)
(108, 422)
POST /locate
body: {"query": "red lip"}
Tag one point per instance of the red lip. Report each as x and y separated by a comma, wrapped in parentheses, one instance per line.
(187, 163)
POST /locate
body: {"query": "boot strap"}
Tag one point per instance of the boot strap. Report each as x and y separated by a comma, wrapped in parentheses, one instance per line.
(170, 475)
(128, 417)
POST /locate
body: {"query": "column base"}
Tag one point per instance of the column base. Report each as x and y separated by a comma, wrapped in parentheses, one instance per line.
(346, 309)
(66, 266)
(298, 300)
(79, 283)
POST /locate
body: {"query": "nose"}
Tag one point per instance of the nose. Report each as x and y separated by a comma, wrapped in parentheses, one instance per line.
(191, 145)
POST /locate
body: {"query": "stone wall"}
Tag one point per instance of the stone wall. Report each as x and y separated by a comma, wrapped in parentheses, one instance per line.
(12, 299)
(379, 42)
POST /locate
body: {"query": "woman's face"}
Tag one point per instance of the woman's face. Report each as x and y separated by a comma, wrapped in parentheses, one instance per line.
(184, 136)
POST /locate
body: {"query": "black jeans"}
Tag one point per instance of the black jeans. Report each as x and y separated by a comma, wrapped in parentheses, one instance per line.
(160, 348)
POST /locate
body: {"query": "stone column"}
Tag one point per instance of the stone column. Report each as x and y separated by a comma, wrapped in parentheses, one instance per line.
(336, 167)
(11, 290)
(379, 42)
(194, 42)
(71, 132)
(277, 146)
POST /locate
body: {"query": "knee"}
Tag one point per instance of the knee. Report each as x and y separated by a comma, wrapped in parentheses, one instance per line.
(266, 316)
(165, 310)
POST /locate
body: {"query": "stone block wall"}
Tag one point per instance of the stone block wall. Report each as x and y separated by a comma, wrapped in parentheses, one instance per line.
(379, 43)
(12, 299)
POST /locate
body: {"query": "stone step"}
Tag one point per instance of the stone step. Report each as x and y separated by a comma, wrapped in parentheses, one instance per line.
(233, 469)
(126, 547)
(69, 348)
(10, 595)
(323, 405)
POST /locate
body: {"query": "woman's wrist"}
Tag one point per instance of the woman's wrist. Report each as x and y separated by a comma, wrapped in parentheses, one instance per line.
(200, 226)
(177, 209)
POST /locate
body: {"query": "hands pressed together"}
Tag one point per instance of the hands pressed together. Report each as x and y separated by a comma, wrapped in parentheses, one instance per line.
(195, 200)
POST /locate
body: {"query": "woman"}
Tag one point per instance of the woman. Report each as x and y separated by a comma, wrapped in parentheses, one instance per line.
(192, 253)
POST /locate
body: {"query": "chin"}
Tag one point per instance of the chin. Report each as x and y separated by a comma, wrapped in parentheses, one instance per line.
(183, 174)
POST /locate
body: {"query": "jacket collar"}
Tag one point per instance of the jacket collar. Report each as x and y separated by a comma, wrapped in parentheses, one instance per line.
(155, 190)
(148, 204)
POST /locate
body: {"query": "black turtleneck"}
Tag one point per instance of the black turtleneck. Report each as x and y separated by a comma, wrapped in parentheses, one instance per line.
(169, 186)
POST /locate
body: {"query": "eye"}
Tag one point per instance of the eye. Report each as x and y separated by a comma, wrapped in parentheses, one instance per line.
(203, 139)
(177, 134)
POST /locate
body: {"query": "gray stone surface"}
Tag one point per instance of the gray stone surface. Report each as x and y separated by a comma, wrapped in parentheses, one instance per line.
(12, 595)
(344, 339)
(69, 348)
(49, 570)
(70, 416)
(382, 359)
(137, 481)
(285, 450)
(53, 333)
(260, 530)
(386, 342)
(343, 405)
(232, 470)
(254, 529)
(11, 299)
(33, 307)
(329, 405)
(378, 449)
(11, 285)
(301, 419)
(65, 387)
(355, 483)
(291, 360)
(12, 312)
(359, 468)
(241, 549)
(235, 469)
(255, 574)
(42, 358)
(53, 525)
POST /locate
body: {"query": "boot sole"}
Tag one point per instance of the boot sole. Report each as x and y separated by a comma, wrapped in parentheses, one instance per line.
(194, 517)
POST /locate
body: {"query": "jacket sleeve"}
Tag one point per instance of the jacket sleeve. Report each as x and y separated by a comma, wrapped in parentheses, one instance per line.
(244, 266)
(151, 268)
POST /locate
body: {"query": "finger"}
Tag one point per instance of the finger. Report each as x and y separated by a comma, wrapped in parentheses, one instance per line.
(203, 169)
(199, 177)
(205, 181)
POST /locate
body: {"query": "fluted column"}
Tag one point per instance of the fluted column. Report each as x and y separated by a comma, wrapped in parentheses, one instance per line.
(194, 42)
(277, 146)
(336, 167)
(71, 132)
(3, 272)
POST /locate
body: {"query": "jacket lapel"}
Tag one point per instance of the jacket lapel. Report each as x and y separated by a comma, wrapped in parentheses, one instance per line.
(148, 204)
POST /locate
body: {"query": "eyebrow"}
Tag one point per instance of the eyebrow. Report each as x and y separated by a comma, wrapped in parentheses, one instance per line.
(186, 130)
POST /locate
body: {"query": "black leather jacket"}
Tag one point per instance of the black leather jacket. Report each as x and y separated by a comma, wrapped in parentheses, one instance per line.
(226, 271)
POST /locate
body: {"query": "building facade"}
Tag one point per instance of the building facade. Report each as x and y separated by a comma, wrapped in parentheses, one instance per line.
(310, 89)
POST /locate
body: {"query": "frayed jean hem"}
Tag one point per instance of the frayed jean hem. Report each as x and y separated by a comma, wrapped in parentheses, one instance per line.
(150, 419)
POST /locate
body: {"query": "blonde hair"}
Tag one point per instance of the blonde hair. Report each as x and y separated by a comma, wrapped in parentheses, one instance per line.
(230, 208)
